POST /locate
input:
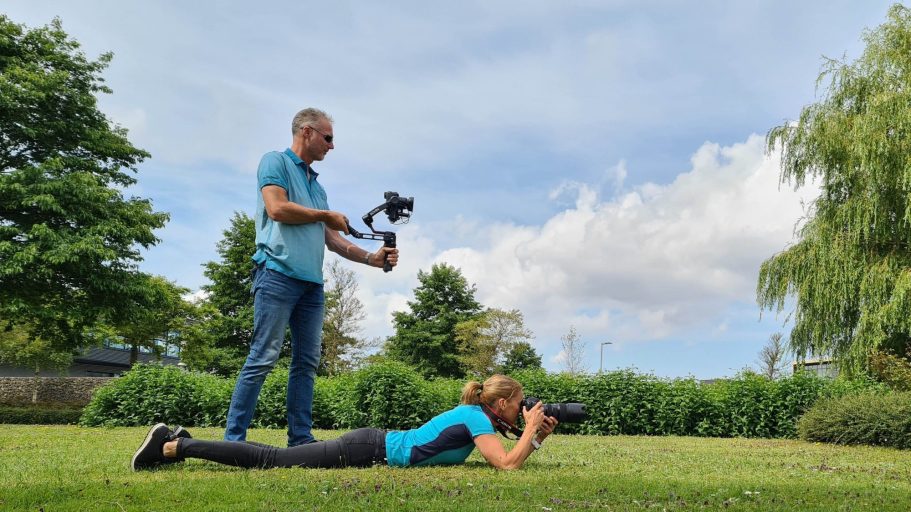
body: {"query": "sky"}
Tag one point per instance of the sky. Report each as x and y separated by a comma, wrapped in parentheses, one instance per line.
(597, 165)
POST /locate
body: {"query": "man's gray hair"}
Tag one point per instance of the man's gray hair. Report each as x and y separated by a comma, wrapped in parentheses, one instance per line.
(307, 117)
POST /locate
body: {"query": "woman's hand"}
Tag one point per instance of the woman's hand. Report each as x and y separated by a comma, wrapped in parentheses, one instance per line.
(547, 428)
(534, 417)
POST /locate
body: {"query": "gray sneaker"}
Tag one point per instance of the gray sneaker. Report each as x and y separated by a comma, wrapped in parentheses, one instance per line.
(149, 454)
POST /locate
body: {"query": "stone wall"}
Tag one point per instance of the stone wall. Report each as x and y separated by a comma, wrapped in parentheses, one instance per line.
(75, 391)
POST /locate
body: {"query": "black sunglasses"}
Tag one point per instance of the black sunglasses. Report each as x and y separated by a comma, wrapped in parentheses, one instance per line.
(327, 138)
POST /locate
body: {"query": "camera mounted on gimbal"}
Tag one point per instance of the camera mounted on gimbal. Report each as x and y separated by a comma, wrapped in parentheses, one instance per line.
(398, 209)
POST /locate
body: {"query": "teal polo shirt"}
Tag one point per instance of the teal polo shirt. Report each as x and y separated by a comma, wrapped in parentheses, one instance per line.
(296, 250)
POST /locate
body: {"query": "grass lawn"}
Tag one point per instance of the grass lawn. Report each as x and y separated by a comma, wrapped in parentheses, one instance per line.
(72, 468)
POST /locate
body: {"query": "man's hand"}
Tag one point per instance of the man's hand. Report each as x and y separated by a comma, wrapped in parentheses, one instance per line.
(336, 221)
(390, 254)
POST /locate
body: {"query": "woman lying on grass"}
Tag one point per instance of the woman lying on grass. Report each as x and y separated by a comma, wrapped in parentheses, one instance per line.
(446, 439)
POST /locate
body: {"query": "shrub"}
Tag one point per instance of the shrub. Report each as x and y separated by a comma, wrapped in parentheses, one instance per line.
(863, 418)
(386, 395)
(332, 400)
(892, 370)
(271, 409)
(153, 393)
(39, 415)
(392, 395)
(443, 394)
(624, 402)
(750, 406)
(685, 408)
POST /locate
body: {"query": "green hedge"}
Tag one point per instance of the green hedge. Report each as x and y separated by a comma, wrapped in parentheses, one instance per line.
(39, 415)
(623, 402)
(865, 418)
(395, 396)
(151, 393)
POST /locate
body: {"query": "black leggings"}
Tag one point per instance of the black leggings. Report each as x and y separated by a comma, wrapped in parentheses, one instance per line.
(359, 448)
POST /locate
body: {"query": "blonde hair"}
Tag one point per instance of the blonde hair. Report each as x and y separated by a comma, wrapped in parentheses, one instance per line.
(494, 388)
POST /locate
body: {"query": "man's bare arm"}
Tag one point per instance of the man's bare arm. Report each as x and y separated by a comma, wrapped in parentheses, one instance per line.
(280, 209)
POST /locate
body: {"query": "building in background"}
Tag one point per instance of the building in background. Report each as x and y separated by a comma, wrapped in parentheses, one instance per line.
(108, 360)
(821, 367)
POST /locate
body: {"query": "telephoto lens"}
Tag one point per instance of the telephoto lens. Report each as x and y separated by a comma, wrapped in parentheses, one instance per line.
(570, 412)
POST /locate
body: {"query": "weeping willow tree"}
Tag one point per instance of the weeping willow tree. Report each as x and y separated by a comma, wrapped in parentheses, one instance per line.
(849, 272)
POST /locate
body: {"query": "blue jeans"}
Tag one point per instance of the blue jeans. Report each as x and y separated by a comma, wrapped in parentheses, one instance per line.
(280, 301)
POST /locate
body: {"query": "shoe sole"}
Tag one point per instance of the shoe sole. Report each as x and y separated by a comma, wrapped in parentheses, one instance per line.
(145, 443)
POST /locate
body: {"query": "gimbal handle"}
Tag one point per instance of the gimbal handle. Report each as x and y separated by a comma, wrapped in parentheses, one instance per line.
(388, 238)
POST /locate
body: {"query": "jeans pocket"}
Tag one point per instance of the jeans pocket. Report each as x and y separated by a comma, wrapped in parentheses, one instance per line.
(257, 268)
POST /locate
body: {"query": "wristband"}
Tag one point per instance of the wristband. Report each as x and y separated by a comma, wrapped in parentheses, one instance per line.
(535, 443)
(367, 258)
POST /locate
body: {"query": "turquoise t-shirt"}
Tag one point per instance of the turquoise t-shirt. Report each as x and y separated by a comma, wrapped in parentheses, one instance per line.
(447, 438)
(296, 250)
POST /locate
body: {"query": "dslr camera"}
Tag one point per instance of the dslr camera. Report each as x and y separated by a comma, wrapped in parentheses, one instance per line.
(564, 412)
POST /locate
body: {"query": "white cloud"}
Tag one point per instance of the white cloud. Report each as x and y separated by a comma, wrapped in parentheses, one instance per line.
(648, 263)
(196, 297)
(560, 358)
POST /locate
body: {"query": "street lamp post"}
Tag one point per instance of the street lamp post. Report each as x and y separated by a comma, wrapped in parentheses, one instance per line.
(601, 366)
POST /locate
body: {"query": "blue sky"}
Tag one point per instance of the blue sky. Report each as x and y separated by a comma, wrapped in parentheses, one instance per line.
(593, 164)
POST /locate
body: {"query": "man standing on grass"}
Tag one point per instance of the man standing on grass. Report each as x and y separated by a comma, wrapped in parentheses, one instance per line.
(293, 224)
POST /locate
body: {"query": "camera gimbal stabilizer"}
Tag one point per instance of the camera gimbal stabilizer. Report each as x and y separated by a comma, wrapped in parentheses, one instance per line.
(398, 210)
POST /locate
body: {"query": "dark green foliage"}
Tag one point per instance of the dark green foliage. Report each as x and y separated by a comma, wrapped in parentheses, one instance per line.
(390, 395)
(864, 418)
(69, 239)
(220, 342)
(156, 314)
(425, 337)
(444, 393)
(230, 278)
(151, 393)
(521, 356)
(798, 393)
(328, 399)
(39, 415)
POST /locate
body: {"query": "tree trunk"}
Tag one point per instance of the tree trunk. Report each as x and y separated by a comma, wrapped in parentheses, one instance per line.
(37, 383)
(134, 353)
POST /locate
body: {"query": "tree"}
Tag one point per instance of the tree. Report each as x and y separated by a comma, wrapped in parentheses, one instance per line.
(160, 312)
(69, 240)
(850, 270)
(484, 341)
(344, 312)
(573, 352)
(521, 356)
(19, 348)
(771, 357)
(425, 336)
(222, 340)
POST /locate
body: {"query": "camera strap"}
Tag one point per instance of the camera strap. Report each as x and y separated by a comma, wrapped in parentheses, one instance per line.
(501, 424)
